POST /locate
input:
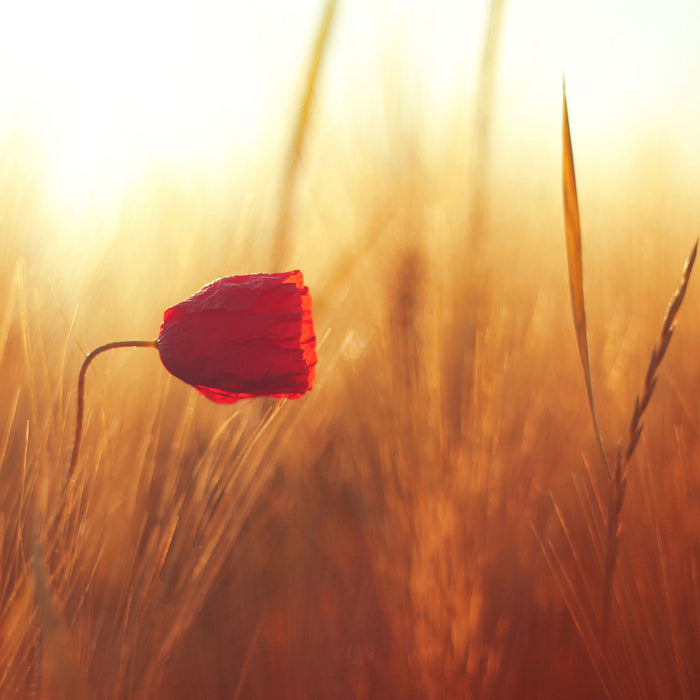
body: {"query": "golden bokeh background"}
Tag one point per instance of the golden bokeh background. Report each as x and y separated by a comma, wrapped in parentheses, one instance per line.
(429, 521)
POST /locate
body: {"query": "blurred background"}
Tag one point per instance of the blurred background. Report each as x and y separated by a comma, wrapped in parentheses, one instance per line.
(105, 110)
(429, 520)
(95, 95)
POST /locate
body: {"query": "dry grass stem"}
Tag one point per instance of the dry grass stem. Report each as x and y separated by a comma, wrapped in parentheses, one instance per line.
(575, 259)
(299, 136)
(483, 124)
(618, 479)
(63, 677)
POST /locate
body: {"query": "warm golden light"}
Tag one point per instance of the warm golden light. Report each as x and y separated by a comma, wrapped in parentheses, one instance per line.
(433, 517)
(204, 85)
(108, 92)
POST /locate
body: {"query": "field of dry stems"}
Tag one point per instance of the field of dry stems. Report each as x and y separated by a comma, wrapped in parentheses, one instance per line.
(428, 522)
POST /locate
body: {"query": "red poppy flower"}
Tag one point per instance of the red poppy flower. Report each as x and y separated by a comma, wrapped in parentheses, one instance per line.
(243, 336)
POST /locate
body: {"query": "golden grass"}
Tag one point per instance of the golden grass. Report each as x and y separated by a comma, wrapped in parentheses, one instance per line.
(572, 228)
(618, 476)
(427, 522)
(281, 245)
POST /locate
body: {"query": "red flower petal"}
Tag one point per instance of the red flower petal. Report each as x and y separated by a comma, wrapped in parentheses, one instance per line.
(243, 336)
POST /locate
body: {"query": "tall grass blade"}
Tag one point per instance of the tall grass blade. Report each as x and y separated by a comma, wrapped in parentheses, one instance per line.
(483, 122)
(575, 258)
(63, 675)
(281, 245)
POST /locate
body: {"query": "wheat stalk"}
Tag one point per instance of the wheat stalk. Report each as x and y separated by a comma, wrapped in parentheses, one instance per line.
(618, 479)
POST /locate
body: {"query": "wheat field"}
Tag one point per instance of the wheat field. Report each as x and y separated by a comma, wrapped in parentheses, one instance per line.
(430, 521)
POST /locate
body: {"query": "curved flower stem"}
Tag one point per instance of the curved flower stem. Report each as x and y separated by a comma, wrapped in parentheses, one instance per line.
(81, 391)
(58, 510)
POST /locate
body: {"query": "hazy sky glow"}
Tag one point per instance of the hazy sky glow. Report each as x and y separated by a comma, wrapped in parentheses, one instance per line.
(106, 88)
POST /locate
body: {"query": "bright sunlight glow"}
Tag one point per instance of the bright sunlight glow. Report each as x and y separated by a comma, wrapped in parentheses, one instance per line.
(108, 89)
